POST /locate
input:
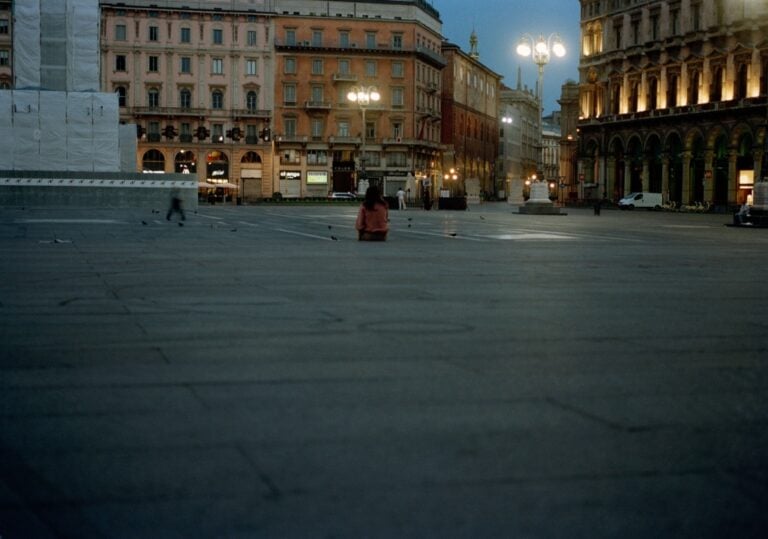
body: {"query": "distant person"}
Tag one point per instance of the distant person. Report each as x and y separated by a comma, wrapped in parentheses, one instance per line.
(400, 199)
(176, 205)
(372, 219)
(427, 200)
(742, 216)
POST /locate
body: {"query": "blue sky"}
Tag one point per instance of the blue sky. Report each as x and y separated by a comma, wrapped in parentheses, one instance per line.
(499, 24)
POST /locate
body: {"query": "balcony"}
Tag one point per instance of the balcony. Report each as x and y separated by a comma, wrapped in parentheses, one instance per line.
(251, 113)
(166, 111)
(344, 77)
(317, 105)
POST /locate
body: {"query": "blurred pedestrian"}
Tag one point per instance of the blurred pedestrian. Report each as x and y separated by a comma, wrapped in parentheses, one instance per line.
(176, 205)
(400, 199)
(373, 218)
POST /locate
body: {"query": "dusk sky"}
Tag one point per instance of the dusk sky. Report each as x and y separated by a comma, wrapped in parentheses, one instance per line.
(499, 24)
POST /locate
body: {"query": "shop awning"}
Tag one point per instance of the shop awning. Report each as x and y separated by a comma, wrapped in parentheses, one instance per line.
(206, 185)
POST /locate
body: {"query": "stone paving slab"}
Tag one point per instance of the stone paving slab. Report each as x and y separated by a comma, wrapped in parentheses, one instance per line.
(257, 372)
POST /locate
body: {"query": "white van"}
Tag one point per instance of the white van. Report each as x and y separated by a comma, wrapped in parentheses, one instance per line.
(640, 200)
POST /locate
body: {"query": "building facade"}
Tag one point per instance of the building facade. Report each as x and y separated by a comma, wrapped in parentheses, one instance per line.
(673, 99)
(471, 118)
(198, 83)
(519, 139)
(6, 44)
(327, 142)
(568, 189)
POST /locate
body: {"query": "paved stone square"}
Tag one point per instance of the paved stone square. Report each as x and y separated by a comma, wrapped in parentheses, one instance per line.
(257, 372)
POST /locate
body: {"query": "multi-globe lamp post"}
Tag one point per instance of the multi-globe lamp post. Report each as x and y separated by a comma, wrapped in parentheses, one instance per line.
(364, 96)
(540, 51)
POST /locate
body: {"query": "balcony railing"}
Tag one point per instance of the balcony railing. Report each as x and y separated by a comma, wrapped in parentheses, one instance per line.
(324, 105)
(344, 77)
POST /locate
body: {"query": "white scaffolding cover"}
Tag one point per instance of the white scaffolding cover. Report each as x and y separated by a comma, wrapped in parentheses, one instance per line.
(106, 118)
(53, 131)
(26, 128)
(6, 129)
(26, 43)
(79, 131)
(82, 45)
(128, 147)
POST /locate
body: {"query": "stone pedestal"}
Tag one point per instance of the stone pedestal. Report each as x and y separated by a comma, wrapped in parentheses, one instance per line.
(539, 203)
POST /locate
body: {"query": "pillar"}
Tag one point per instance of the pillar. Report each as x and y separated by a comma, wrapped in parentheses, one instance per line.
(665, 178)
(733, 178)
(686, 180)
(627, 174)
(709, 176)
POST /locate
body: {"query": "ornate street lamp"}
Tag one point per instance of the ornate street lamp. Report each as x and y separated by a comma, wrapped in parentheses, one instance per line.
(540, 51)
(364, 96)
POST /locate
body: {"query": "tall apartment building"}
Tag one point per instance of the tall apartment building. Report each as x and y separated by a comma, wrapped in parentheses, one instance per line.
(197, 79)
(673, 98)
(323, 50)
(519, 139)
(6, 44)
(251, 95)
(471, 116)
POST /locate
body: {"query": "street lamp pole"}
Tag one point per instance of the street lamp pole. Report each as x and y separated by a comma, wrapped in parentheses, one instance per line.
(540, 50)
(363, 96)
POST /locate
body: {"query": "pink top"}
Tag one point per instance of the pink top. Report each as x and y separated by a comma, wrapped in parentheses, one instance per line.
(374, 220)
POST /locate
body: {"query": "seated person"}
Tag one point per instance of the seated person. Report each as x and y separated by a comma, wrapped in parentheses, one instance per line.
(742, 217)
(372, 219)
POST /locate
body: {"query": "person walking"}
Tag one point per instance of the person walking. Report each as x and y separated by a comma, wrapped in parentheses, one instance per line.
(400, 199)
(372, 222)
(176, 205)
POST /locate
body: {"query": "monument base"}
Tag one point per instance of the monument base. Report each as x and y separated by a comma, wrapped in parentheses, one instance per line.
(540, 208)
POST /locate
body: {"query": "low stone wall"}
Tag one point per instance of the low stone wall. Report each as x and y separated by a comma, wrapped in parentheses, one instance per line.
(95, 190)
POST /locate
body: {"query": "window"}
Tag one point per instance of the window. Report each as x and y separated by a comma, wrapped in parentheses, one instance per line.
(674, 15)
(343, 128)
(397, 130)
(398, 69)
(153, 98)
(251, 38)
(185, 99)
(4, 24)
(397, 41)
(120, 32)
(121, 95)
(344, 67)
(185, 132)
(154, 32)
(317, 128)
(251, 67)
(396, 159)
(153, 64)
(317, 94)
(217, 99)
(289, 94)
(370, 130)
(217, 66)
(290, 37)
(370, 40)
(317, 66)
(120, 62)
(397, 97)
(290, 126)
(186, 64)
(696, 9)
(218, 36)
(317, 157)
(290, 66)
(344, 39)
(252, 101)
(370, 68)
(317, 38)
(217, 132)
(186, 35)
